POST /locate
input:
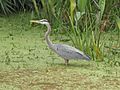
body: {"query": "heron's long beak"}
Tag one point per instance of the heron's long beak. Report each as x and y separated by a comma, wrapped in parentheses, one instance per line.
(34, 21)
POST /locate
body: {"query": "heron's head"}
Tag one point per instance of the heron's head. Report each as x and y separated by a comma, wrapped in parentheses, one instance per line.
(43, 21)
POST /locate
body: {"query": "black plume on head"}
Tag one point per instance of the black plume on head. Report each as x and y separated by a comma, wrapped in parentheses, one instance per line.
(44, 20)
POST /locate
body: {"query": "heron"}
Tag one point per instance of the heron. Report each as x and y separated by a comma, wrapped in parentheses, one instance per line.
(65, 51)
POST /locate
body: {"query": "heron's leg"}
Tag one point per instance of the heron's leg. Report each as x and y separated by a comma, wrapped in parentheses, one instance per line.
(66, 62)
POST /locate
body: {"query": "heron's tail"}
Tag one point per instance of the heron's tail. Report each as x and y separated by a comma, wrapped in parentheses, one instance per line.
(87, 57)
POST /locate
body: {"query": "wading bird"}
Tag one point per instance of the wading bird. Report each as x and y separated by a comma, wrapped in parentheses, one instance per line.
(65, 51)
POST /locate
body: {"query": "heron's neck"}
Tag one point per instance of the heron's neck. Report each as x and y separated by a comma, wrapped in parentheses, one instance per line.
(47, 36)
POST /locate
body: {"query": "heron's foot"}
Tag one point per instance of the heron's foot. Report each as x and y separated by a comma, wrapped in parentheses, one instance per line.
(66, 62)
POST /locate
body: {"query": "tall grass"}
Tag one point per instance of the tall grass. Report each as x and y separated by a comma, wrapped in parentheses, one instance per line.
(85, 28)
(6, 6)
(11, 6)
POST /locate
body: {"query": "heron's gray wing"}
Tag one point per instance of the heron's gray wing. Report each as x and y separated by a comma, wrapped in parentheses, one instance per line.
(68, 52)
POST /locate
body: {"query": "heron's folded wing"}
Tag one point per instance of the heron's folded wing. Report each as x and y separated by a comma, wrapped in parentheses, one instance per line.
(68, 51)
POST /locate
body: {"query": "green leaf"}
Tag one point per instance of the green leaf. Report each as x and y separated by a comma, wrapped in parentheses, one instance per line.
(72, 8)
(118, 22)
(79, 14)
(36, 8)
(102, 7)
(81, 5)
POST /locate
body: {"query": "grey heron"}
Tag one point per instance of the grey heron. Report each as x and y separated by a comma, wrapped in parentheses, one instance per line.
(65, 51)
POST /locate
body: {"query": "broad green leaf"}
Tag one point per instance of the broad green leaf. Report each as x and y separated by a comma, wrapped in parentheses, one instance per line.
(72, 8)
(81, 5)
